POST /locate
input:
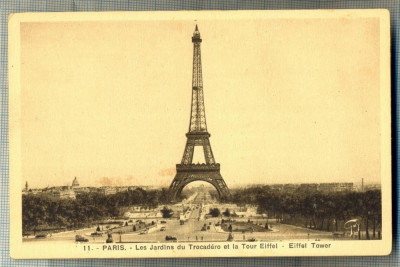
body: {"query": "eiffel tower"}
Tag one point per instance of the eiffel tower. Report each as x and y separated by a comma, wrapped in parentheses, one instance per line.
(186, 171)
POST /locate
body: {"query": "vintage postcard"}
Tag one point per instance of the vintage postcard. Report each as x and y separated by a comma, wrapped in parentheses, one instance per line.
(200, 134)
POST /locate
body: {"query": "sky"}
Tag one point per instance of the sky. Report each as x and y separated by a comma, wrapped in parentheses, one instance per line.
(286, 100)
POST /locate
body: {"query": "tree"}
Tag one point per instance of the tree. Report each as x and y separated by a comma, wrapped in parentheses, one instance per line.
(43, 210)
(371, 205)
(376, 209)
(166, 212)
(163, 196)
(215, 212)
(227, 213)
(309, 207)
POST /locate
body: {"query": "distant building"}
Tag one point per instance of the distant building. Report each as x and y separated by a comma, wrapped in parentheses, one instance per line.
(64, 193)
(336, 187)
(372, 187)
(148, 187)
(121, 188)
(323, 187)
(344, 187)
(81, 190)
(308, 187)
(107, 190)
(26, 189)
(59, 192)
(35, 191)
(75, 183)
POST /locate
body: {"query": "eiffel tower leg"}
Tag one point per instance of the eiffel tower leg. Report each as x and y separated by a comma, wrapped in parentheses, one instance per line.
(188, 154)
(221, 186)
(208, 155)
(173, 189)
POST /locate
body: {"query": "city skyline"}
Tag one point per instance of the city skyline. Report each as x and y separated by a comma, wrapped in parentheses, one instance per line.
(118, 183)
(99, 104)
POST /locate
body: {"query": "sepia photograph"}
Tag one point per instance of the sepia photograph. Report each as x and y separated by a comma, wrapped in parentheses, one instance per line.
(198, 134)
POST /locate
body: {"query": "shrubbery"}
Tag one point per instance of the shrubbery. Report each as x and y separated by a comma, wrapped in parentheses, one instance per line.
(166, 212)
(43, 210)
(315, 209)
(215, 212)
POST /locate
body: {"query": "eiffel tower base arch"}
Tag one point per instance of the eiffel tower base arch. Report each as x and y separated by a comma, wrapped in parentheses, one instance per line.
(188, 173)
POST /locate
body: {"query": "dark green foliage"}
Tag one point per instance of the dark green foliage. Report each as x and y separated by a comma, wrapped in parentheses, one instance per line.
(315, 209)
(166, 212)
(226, 213)
(215, 212)
(42, 210)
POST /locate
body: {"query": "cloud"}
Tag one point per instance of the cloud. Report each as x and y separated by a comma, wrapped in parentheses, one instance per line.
(115, 181)
(106, 181)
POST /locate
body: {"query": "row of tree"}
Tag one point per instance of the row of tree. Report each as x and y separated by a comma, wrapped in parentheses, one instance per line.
(307, 208)
(215, 212)
(315, 209)
(43, 210)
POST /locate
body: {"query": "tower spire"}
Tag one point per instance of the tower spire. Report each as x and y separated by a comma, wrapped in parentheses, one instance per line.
(198, 116)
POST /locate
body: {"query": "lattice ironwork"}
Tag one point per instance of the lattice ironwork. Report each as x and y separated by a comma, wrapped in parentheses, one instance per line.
(198, 113)
(188, 172)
